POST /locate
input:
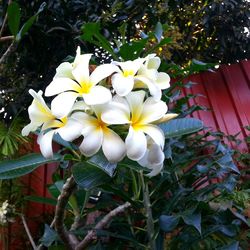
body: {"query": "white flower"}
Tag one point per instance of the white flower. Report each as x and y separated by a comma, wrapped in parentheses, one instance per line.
(153, 158)
(65, 68)
(123, 81)
(97, 134)
(84, 85)
(139, 115)
(149, 77)
(40, 115)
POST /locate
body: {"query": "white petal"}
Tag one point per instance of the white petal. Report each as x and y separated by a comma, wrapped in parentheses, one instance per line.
(153, 110)
(97, 95)
(155, 155)
(102, 72)
(51, 124)
(122, 85)
(64, 70)
(166, 118)
(45, 142)
(163, 80)
(156, 170)
(81, 68)
(59, 85)
(154, 89)
(155, 133)
(113, 146)
(135, 100)
(136, 144)
(38, 110)
(81, 59)
(153, 62)
(92, 142)
(31, 127)
(71, 130)
(62, 104)
(116, 113)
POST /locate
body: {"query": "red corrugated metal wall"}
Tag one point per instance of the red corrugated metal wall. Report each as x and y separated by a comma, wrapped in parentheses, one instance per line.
(226, 92)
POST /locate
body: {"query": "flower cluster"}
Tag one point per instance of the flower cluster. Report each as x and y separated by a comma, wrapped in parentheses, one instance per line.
(6, 212)
(114, 106)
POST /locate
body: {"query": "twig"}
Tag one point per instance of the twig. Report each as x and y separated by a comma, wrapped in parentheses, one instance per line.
(4, 21)
(69, 239)
(28, 233)
(7, 52)
(101, 224)
(6, 38)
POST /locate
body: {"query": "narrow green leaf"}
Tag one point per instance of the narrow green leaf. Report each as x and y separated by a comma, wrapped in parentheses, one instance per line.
(43, 200)
(232, 246)
(101, 161)
(158, 31)
(193, 220)
(88, 175)
(168, 222)
(49, 236)
(14, 16)
(14, 168)
(181, 126)
(27, 25)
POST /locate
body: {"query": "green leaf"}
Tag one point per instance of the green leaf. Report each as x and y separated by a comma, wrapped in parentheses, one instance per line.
(158, 31)
(43, 200)
(101, 161)
(14, 16)
(181, 126)
(130, 51)
(14, 168)
(88, 175)
(27, 25)
(232, 246)
(49, 236)
(193, 220)
(168, 222)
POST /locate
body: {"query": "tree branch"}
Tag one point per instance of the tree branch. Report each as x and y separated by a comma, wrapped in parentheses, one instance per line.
(101, 224)
(6, 38)
(10, 49)
(4, 21)
(28, 232)
(69, 239)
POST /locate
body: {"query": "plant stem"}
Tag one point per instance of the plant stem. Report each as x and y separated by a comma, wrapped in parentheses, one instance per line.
(147, 206)
(69, 239)
(28, 233)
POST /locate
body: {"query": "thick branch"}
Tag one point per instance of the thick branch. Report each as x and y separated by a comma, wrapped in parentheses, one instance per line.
(68, 188)
(101, 224)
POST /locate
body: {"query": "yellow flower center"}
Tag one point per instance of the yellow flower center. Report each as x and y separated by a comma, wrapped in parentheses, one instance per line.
(85, 88)
(64, 120)
(127, 73)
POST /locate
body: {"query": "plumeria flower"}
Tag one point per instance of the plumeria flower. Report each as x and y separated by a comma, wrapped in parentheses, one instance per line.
(97, 134)
(153, 158)
(123, 81)
(41, 116)
(84, 85)
(65, 68)
(140, 115)
(149, 77)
